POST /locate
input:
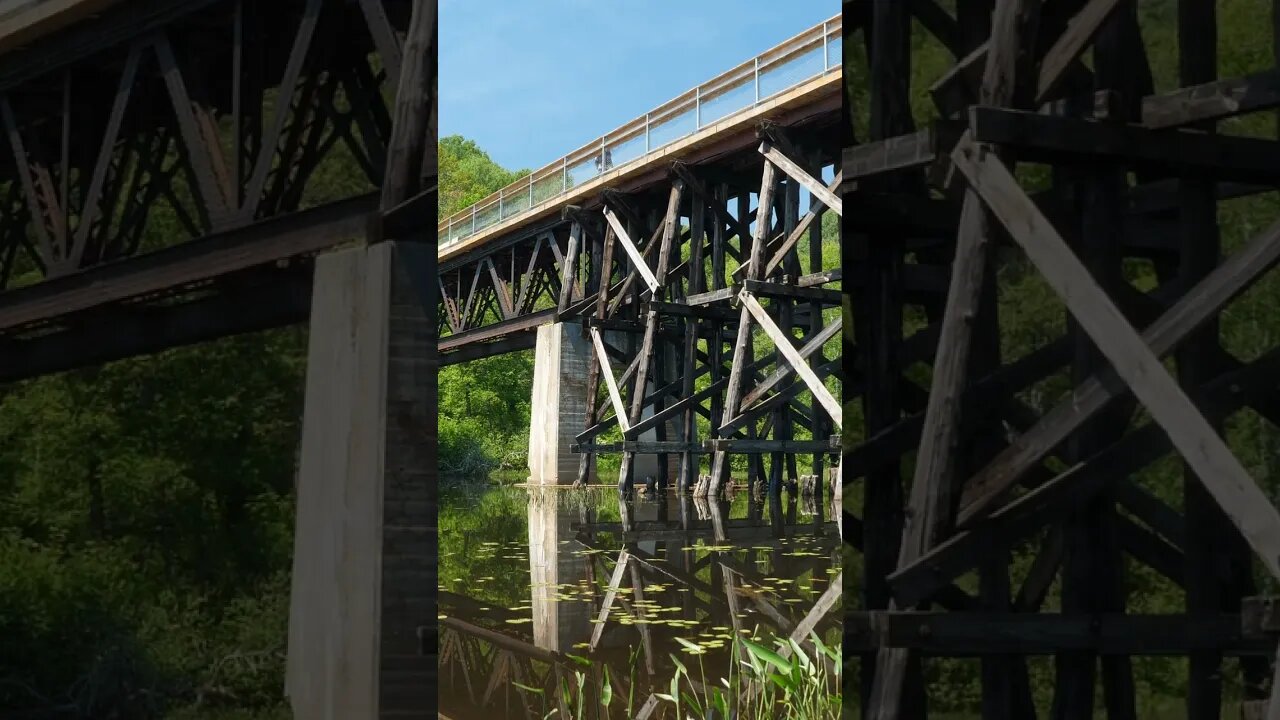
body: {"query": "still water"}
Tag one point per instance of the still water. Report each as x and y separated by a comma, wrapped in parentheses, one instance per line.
(540, 586)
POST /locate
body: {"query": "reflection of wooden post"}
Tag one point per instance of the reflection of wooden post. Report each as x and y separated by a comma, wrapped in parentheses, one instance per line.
(610, 594)
(646, 633)
(775, 515)
(718, 509)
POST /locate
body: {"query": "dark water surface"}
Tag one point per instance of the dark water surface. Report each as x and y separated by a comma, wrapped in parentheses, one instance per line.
(525, 575)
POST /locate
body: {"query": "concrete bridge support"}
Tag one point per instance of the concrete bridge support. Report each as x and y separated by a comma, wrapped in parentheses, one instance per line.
(364, 561)
(563, 359)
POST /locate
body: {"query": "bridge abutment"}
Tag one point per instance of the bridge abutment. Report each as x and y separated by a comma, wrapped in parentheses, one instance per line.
(364, 562)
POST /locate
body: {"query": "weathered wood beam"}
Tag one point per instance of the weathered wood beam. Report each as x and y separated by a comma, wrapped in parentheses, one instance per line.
(783, 342)
(111, 134)
(1014, 27)
(800, 175)
(606, 369)
(637, 258)
(1217, 100)
(568, 276)
(1198, 306)
(284, 103)
(200, 148)
(1080, 32)
(1063, 139)
(1056, 498)
(977, 633)
(1222, 474)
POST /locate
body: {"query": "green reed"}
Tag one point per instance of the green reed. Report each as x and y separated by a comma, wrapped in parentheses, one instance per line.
(760, 681)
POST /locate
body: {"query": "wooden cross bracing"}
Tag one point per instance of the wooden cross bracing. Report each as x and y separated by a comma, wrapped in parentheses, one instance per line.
(993, 475)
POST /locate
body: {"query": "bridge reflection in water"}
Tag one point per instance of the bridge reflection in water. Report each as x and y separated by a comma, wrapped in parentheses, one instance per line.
(616, 582)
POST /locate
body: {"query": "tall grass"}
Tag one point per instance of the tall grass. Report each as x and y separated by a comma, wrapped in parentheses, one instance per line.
(759, 684)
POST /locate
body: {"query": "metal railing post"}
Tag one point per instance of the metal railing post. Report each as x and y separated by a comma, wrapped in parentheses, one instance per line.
(530, 189)
(697, 108)
(757, 80)
(647, 149)
(826, 57)
(564, 174)
(501, 204)
(473, 218)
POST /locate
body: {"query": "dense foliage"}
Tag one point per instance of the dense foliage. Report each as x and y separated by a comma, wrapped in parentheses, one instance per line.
(484, 404)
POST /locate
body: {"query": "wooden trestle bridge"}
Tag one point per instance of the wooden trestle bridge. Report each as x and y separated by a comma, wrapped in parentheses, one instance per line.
(1022, 523)
(175, 171)
(675, 254)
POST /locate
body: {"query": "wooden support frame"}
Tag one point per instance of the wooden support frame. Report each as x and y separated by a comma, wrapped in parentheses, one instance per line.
(1223, 475)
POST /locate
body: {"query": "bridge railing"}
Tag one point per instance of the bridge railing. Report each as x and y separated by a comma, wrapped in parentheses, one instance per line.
(809, 55)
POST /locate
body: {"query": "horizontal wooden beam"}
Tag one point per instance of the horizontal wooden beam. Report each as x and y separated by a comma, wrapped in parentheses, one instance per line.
(268, 299)
(480, 350)
(1063, 139)
(903, 152)
(1217, 469)
(488, 333)
(163, 271)
(1213, 101)
(967, 634)
(1052, 500)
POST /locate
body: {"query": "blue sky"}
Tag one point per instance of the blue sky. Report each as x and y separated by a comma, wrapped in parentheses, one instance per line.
(532, 80)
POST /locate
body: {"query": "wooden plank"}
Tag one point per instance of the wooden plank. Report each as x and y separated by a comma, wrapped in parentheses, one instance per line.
(763, 446)
(493, 331)
(939, 23)
(1217, 100)
(1199, 305)
(806, 223)
(797, 173)
(762, 288)
(712, 296)
(1224, 477)
(1069, 46)
(1014, 27)
(47, 251)
(1053, 499)
(797, 361)
(637, 258)
(384, 35)
(200, 149)
(611, 592)
(105, 151)
(807, 350)
(607, 370)
(409, 146)
(992, 633)
(568, 277)
(1067, 140)
(904, 152)
(824, 605)
(302, 233)
(284, 101)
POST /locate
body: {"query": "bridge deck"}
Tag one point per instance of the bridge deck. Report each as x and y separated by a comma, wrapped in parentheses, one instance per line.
(802, 71)
(24, 21)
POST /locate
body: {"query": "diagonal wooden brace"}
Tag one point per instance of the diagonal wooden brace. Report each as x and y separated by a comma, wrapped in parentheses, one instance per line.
(783, 343)
(641, 266)
(1205, 452)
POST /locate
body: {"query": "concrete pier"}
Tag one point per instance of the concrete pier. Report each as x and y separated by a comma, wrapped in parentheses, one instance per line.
(364, 574)
(559, 403)
(562, 361)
